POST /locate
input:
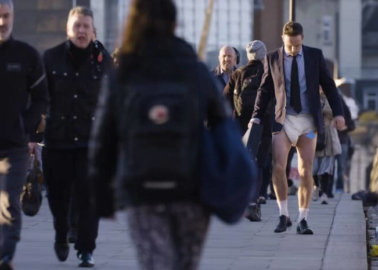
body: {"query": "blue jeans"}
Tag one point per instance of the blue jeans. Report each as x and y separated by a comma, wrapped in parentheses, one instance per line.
(14, 181)
(341, 163)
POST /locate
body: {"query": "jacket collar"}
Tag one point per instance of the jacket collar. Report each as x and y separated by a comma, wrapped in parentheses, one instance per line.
(6, 43)
(218, 71)
(307, 64)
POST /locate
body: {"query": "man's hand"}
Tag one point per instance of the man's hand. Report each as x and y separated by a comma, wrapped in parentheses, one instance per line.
(339, 122)
(254, 121)
(42, 124)
(4, 167)
(32, 147)
(5, 216)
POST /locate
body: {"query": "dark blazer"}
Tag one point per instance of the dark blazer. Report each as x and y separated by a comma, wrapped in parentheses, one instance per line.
(218, 74)
(273, 86)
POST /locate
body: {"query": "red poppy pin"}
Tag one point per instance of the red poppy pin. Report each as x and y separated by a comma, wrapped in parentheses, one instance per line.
(100, 57)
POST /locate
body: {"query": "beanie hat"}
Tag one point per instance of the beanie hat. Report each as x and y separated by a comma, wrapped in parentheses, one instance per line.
(256, 50)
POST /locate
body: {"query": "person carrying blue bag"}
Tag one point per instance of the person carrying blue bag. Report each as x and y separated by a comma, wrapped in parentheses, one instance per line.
(150, 144)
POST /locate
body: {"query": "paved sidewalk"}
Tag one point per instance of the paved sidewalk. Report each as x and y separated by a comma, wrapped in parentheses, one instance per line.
(339, 242)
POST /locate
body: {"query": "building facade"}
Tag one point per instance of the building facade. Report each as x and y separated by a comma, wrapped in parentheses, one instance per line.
(346, 30)
(231, 23)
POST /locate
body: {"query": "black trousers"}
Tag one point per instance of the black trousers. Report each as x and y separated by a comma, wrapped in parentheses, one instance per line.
(65, 172)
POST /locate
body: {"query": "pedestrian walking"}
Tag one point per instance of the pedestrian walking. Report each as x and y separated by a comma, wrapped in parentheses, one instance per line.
(324, 162)
(75, 69)
(23, 100)
(342, 160)
(241, 91)
(227, 64)
(146, 139)
(292, 75)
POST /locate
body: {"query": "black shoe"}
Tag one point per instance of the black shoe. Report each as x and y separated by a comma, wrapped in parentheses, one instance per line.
(72, 236)
(283, 224)
(303, 228)
(261, 200)
(61, 250)
(253, 212)
(86, 259)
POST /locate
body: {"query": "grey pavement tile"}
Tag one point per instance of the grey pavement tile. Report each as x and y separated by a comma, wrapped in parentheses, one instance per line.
(296, 263)
(215, 264)
(251, 263)
(246, 245)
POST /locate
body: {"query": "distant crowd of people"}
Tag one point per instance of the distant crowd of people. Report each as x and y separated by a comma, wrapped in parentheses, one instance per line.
(123, 131)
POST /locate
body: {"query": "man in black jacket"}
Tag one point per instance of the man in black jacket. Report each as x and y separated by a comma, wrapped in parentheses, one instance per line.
(74, 70)
(23, 99)
(241, 91)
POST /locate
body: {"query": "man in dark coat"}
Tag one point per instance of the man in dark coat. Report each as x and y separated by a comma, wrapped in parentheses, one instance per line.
(241, 92)
(74, 71)
(292, 76)
(23, 100)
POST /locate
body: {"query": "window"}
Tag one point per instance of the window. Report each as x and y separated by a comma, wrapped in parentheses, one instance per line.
(370, 99)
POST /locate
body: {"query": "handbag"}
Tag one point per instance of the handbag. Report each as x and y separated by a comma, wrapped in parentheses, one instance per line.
(228, 172)
(31, 196)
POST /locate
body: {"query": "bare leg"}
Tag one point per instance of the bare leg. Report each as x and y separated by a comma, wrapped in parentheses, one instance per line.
(280, 149)
(306, 153)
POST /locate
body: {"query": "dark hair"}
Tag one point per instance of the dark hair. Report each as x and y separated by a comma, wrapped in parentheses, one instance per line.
(237, 55)
(147, 18)
(292, 29)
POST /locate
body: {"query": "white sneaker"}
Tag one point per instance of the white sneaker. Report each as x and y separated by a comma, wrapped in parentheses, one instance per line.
(324, 199)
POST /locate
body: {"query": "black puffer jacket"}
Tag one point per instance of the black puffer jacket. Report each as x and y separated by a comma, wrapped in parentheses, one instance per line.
(73, 90)
(23, 94)
(162, 60)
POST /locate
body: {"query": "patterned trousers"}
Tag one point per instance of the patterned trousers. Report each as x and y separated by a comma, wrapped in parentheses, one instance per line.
(168, 236)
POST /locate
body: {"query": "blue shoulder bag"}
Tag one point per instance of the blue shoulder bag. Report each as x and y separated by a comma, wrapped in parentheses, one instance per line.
(227, 170)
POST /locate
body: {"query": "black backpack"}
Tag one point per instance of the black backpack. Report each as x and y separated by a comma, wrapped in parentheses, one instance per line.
(245, 92)
(160, 134)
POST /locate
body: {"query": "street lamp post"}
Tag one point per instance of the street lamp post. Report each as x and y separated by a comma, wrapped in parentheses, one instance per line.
(292, 11)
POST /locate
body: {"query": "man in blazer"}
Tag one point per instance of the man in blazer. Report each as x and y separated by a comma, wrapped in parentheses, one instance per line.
(292, 77)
